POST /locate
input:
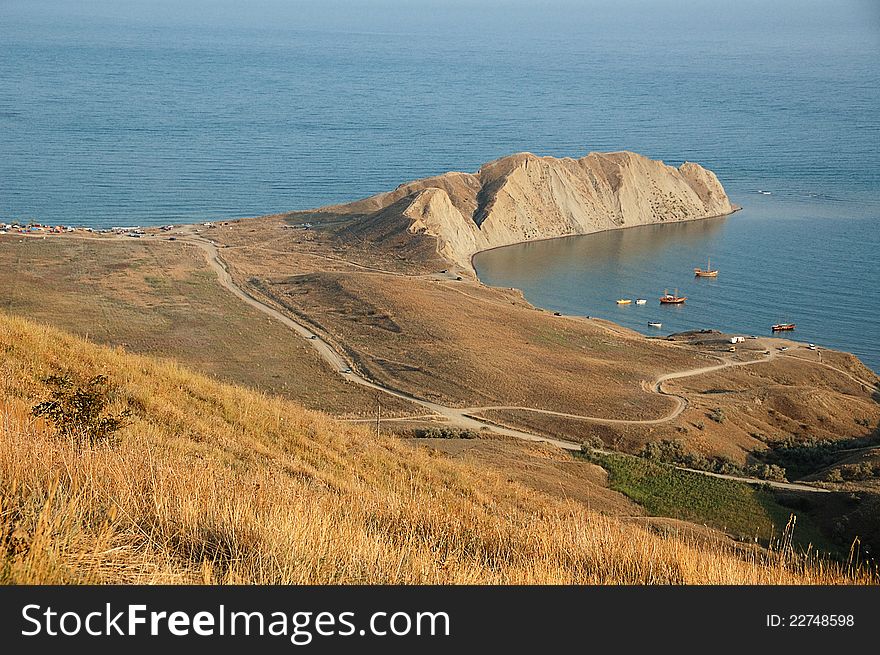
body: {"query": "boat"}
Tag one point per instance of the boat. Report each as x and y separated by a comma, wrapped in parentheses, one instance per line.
(782, 327)
(655, 324)
(624, 301)
(707, 272)
(641, 301)
(672, 298)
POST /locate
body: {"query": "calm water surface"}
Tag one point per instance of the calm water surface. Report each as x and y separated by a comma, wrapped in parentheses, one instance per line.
(808, 262)
(161, 111)
(156, 111)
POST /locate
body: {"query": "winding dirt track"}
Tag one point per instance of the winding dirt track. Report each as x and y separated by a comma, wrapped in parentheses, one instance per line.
(463, 418)
(867, 385)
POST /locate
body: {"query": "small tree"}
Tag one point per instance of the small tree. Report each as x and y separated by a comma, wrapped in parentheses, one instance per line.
(717, 415)
(834, 475)
(668, 451)
(590, 448)
(80, 411)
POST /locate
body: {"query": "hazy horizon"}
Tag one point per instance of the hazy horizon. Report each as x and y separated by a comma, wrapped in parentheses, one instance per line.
(165, 111)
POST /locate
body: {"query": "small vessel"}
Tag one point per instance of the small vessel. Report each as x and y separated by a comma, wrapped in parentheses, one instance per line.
(672, 298)
(641, 301)
(706, 272)
(782, 327)
(624, 301)
(655, 324)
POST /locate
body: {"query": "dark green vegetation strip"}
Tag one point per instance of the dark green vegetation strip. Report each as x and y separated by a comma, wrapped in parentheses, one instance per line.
(741, 510)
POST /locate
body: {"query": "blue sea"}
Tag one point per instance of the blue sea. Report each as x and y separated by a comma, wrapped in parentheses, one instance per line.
(163, 111)
(780, 260)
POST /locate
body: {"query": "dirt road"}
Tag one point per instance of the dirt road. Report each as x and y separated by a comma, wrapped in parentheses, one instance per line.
(463, 417)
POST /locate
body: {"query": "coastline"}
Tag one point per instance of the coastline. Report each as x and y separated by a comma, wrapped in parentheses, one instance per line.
(612, 319)
(736, 208)
(732, 316)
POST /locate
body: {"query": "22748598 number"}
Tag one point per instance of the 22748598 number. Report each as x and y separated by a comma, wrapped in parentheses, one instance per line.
(811, 621)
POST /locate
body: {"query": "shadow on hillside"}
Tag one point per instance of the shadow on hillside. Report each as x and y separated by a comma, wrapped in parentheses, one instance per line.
(804, 457)
(846, 522)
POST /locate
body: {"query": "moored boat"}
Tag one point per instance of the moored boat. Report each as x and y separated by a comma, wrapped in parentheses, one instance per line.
(672, 298)
(706, 272)
(655, 324)
(641, 301)
(782, 327)
(624, 301)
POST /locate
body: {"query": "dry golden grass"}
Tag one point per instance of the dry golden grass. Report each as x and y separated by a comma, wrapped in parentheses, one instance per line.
(457, 342)
(411, 327)
(540, 467)
(214, 483)
(161, 299)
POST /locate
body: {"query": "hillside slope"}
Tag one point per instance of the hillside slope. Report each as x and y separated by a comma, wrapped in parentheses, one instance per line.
(524, 197)
(211, 482)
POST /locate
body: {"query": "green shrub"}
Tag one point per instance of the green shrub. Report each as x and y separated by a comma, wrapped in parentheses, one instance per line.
(834, 476)
(717, 415)
(803, 456)
(861, 471)
(592, 443)
(79, 410)
(445, 432)
(674, 452)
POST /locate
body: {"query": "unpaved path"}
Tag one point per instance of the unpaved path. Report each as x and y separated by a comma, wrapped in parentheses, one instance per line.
(656, 387)
(462, 417)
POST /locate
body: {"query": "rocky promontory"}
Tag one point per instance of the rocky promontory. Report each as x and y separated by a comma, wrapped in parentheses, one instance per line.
(524, 197)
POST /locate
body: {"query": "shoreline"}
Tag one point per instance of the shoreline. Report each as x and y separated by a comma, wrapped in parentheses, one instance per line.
(736, 208)
(658, 334)
(154, 231)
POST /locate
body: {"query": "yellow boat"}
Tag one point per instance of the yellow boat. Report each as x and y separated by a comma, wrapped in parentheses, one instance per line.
(624, 301)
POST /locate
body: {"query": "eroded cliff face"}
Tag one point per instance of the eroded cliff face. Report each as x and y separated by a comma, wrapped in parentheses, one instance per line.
(524, 197)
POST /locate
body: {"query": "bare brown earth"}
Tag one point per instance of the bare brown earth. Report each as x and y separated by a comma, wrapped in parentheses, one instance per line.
(160, 298)
(458, 342)
(433, 339)
(424, 332)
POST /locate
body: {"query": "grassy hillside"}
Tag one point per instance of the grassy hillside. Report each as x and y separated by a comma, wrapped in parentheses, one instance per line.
(213, 483)
(742, 510)
(460, 343)
(161, 299)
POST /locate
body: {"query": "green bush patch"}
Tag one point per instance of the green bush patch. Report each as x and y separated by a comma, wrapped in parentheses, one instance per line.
(744, 511)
